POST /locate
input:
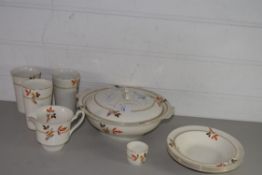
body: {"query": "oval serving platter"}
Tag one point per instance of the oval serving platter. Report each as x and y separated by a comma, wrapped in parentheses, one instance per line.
(205, 149)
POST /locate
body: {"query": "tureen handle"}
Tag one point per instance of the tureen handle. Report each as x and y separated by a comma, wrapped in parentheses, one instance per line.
(126, 95)
(170, 112)
(78, 114)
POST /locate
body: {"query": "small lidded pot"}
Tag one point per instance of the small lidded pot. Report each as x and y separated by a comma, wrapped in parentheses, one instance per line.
(137, 152)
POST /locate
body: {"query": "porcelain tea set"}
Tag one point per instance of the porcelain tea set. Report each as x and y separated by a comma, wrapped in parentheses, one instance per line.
(119, 111)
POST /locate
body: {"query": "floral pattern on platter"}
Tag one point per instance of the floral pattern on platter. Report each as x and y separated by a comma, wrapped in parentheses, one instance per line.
(32, 94)
(107, 130)
(114, 113)
(224, 164)
(50, 114)
(50, 132)
(74, 82)
(212, 134)
(172, 143)
(138, 157)
(160, 100)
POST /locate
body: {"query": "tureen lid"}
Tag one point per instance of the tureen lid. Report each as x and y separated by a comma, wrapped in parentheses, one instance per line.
(123, 104)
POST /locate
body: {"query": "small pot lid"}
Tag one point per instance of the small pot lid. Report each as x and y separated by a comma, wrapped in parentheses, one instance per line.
(123, 104)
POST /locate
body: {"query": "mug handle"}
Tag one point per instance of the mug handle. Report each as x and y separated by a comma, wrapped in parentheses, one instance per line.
(82, 117)
(31, 118)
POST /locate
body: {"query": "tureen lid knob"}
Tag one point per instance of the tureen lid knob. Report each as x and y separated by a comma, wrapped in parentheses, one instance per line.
(126, 95)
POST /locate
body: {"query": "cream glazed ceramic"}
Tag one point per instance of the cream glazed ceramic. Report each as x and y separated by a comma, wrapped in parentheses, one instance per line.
(137, 152)
(53, 125)
(125, 112)
(66, 85)
(19, 75)
(37, 93)
(205, 149)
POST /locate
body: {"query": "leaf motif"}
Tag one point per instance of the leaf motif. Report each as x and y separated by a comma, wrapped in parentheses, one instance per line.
(62, 129)
(102, 125)
(50, 116)
(74, 82)
(211, 130)
(37, 94)
(233, 160)
(134, 157)
(215, 137)
(221, 165)
(212, 134)
(116, 131)
(142, 158)
(53, 115)
(113, 112)
(106, 130)
(172, 143)
(159, 100)
(33, 98)
(50, 109)
(45, 127)
(117, 114)
(109, 113)
(49, 134)
(145, 154)
(32, 77)
(27, 92)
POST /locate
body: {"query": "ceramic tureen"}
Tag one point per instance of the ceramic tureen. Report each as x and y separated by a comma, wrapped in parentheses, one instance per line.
(124, 111)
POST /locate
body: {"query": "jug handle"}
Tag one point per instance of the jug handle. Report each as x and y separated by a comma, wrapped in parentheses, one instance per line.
(76, 116)
(32, 117)
(170, 112)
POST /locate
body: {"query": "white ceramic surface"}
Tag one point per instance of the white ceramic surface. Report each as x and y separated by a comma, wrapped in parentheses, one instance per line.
(19, 75)
(66, 84)
(137, 152)
(205, 149)
(53, 125)
(37, 93)
(124, 111)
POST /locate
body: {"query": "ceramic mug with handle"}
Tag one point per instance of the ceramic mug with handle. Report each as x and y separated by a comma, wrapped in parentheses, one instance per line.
(54, 125)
